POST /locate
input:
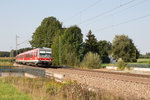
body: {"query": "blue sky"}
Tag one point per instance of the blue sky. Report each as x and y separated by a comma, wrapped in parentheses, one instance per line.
(106, 18)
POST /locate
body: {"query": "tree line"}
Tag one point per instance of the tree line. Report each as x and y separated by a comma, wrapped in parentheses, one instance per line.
(13, 52)
(69, 49)
(4, 54)
(147, 55)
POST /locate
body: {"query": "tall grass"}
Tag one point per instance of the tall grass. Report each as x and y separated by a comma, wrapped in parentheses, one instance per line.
(46, 89)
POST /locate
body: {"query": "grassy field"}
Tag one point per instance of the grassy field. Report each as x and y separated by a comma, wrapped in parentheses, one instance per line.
(139, 61)
(107, 64)
(144, 61)
(46, 89)
(7, 58)
(8, 92)
(6, 61)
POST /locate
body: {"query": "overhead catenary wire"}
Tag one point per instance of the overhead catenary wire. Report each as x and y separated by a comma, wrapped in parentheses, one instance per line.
(92, 5)
(24, 41)
(128, 21)
(85, 9)
(139, 3)
(108, 11)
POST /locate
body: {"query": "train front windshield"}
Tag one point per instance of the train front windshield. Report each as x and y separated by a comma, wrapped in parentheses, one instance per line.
(45, 54)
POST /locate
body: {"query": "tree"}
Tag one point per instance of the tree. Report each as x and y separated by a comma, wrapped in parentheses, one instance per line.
(44, 34)
(13, 52)
(91, 43)
(124, 48)
(57, 48)
(4, 54)
(148, 54)
(66, 46)
(71, 44)
(104, 49)
(73, 36)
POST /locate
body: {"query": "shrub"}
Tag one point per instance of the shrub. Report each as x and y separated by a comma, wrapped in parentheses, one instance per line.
(53, 87)
(149, 62)
(121, 65)
(91, 60)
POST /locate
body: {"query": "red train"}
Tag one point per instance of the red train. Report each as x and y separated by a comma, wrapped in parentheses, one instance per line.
(35, 57)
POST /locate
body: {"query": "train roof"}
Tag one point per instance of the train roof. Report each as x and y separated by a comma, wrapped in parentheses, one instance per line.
(45, 48)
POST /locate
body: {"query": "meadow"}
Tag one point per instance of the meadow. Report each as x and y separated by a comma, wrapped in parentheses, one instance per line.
(140, 63)
(6, 61)
(144, 61)
(9, 92)
(48, 89)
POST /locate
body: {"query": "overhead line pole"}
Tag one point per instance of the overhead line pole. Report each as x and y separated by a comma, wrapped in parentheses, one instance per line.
(16, 44)
(60, 51)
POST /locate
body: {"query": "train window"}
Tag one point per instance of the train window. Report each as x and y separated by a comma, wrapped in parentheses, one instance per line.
(45, 54)
(27, 55)
(31, 54)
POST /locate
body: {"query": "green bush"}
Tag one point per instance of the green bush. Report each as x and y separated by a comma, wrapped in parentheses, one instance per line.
(149, 62)
(121, 65)
(91, 60)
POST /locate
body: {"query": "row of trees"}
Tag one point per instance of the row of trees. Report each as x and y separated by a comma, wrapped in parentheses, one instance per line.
(13, 53)
(69, 48)
(147, 55)
(4, 54)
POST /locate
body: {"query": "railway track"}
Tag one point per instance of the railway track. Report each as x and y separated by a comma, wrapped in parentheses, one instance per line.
(122, 76)
(110, 72)
(93, 71)
(124, 84)
(126, 77)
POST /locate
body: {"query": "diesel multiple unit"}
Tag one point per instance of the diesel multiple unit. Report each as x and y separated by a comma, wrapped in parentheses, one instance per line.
(36, 56)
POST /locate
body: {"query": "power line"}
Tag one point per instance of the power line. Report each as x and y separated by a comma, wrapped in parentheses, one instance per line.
(16, 44)
(119, 11)
(108, 11)
(92, 5)
(24, 41)
(85, 9)
(128, 21)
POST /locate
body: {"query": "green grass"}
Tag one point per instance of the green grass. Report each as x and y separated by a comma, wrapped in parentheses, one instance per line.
(6, 61)
(8, 92)
(144, 61)
(107, 64)
(139, 61)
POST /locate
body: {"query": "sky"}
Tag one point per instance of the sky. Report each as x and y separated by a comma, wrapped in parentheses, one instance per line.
(106, 18)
